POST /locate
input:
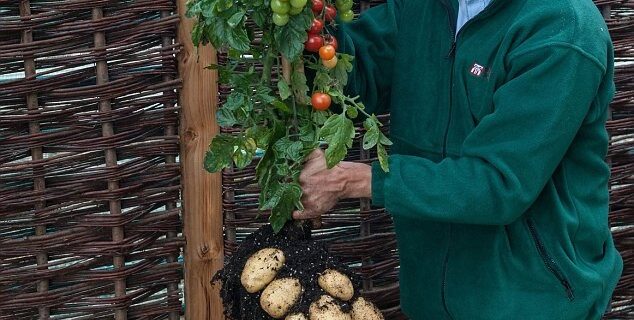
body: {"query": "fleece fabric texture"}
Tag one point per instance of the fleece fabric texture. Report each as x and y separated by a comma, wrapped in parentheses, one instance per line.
(497, 182)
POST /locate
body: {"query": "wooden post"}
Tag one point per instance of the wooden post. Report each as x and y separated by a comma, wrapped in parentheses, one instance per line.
(202, 194)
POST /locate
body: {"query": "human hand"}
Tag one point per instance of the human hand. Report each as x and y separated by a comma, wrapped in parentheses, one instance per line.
(323, 188)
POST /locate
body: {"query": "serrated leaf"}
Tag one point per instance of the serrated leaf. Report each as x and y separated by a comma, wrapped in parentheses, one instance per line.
(284, 89)
(291, 37)
(338, 132)
(281, 106)
(371, 138)
(320, 117)
(260, 134)
(235, 101)
(225, 118)
(384, 140)
(259, 17)
(382, 155)
(341, 70)
(283, 211)
(244, 153)
(220, 153)
(236, 19)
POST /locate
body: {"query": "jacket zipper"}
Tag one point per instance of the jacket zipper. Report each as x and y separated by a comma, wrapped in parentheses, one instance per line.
(550, 263)
(452, 55)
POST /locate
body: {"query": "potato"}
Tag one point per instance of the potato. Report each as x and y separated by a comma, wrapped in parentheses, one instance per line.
(336, 284)
(279, 296)
(327, 309)
(365, 310)
(296, 316)
(261, 268)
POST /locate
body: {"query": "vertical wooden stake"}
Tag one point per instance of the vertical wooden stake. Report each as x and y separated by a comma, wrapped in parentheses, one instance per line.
(202, 195)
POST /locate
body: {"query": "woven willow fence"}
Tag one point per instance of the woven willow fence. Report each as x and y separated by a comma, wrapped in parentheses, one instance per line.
(364, 238)
(89, 182)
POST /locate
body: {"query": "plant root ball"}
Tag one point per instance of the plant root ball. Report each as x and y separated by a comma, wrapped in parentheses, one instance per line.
(365, 310)
(261, 268)
(279, 296)
(296, 316)
(327, 309)
(336, 284)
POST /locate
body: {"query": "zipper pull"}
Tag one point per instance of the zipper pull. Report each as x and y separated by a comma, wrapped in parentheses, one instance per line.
(452, 51)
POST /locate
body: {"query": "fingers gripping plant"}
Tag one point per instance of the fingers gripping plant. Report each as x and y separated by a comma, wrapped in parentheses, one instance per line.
(286, 118)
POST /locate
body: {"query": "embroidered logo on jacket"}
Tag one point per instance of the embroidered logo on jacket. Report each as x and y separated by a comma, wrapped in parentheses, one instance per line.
(477, 70)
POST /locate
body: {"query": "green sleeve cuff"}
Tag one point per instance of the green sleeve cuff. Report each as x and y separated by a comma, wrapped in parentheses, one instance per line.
(378, 182)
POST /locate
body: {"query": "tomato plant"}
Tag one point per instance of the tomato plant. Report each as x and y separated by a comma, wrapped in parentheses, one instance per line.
(278, 121)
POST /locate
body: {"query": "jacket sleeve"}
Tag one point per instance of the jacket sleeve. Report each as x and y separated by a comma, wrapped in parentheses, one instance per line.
(371, 39)
(511, 154)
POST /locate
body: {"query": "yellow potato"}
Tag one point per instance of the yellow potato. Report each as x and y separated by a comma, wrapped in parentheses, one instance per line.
(327, 309)
(365, 310)
(261, 268)
(336, 284)
(279, 296)
(296, 316)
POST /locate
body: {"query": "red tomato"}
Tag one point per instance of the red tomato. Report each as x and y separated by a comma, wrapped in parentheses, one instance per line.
(327, 52)
(331, 13)
(331, 40)
(320, 101)
(318, 6)
(316, 26)
(313, 43)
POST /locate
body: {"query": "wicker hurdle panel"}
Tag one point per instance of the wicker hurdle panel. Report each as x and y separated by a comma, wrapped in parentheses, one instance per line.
(620, 19)
(89, 182)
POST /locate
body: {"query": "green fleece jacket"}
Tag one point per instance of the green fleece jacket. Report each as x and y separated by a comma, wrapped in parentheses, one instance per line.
(497, 185)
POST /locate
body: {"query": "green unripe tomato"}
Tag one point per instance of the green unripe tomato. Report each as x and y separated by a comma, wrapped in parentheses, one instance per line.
(280, 7)
(295, 11)
(280, 19)
(346, 16)
(344, 5)
(298, 3)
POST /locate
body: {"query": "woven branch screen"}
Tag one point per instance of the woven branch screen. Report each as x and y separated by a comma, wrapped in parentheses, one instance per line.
(364, 237)
(89, 180)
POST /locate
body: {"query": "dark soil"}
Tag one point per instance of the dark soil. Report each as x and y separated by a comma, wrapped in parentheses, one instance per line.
(305, 260)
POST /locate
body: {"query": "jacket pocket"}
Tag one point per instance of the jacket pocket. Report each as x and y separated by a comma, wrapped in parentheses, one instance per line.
(548, 260)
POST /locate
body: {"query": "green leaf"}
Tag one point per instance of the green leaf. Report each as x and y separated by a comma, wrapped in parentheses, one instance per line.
(284, 89)
(341, 70)
(320, 117)
(281, 106)
(338, 132)
(322, 80)
(259, 17)
(225, 118)
(291, 37)
(235, 101)
(382, 154)
(283, 211)
(384, 140)
(372, 134)
(220, 153)
(244, 153)
(236, 19)
(352, 112)
(261, 135)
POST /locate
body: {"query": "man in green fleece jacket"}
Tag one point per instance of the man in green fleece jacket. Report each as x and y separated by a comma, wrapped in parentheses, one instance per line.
(497, 182)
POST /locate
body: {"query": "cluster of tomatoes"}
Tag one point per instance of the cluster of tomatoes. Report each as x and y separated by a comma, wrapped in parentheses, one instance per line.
(326, 45)
(283, 9)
